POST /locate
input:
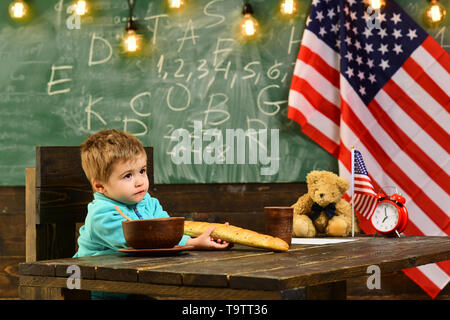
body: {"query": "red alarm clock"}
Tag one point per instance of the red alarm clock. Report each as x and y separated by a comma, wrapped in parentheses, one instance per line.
(390, 216)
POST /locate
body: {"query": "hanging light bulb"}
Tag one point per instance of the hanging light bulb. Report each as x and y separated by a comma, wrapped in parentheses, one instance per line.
(132, 41)
(288, 7)
(81, 7)
(249, 25)
(176, 4)
(435, 13)
(376, 4)
(18, 9)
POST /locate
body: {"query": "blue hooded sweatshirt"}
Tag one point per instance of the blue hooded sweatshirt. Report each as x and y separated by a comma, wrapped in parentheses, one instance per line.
(102, 231)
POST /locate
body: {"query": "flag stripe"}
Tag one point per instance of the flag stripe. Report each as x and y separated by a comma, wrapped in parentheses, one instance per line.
(437, 52)
(365, 205)
(319, 82)
(423, 281)
(359, 203)
(320, 65)
(435, 274)
(419, 75)
(316, 117)
(415, 112)
(424, 222)
(445, 266)
(409, 146)
(313, 132)
(364, 186)
(315, 98)
(311, 41)
(426, 102)
(435, 70)
(412, 129)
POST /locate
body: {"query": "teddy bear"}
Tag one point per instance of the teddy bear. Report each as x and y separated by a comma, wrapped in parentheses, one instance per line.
(322, 209)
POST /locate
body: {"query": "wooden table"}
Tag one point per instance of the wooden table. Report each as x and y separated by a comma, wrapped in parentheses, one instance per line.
(303, 272)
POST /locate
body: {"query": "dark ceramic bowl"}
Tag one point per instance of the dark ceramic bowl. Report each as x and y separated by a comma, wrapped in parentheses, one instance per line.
(153, 233)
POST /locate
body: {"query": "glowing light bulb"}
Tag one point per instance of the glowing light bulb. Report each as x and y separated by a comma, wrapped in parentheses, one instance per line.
(176, 4)
(249, 26)
(18, 9)
(435, 13)
(81, 7)
(376, 4)
(131, 41)
(288, 7)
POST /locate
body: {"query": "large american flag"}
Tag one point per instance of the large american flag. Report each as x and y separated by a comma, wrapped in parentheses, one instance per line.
(384, 90)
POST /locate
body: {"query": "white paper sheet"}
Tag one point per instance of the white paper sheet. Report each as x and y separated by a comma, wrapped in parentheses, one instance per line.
(320, 241)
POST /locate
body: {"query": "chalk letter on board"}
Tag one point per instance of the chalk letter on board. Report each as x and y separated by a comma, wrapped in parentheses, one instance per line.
(52, 81)
(155, 29)
(217, 111)
(249, 123)
(190, 27)
(205, 11)
(221, 50)
(215, 147)
(181, 152)
(169, 94)
(91, 50)
(291, 41)
(125, 126)
(275, 103)
(132, 104)
(89, 111)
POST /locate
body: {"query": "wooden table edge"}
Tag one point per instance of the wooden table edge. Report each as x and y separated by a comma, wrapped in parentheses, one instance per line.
(157, 290)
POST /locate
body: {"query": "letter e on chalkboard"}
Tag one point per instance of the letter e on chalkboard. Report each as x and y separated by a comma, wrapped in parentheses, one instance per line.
(54, 82)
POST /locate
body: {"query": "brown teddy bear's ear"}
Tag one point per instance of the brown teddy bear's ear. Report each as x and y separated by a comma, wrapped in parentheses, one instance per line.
(312, 177)
(343, 184)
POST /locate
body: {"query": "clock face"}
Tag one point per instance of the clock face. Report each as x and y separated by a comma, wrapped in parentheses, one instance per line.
(385, 217)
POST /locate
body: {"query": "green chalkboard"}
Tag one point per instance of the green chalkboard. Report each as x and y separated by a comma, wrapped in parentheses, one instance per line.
(196, 80)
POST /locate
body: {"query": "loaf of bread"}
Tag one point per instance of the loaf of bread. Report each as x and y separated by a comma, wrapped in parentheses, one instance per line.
(236, 235)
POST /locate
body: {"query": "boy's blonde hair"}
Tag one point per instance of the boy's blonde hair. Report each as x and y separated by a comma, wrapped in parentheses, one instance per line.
(104, 148)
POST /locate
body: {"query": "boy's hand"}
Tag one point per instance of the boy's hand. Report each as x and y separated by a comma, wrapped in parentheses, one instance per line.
(206, 242)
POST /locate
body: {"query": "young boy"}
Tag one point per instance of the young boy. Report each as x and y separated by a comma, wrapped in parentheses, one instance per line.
(115, 163)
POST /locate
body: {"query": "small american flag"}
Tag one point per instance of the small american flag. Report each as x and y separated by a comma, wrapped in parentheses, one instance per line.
(382, 85)
(365, 198)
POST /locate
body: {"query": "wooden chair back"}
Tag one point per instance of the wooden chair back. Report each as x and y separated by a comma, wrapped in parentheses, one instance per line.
(57, 194)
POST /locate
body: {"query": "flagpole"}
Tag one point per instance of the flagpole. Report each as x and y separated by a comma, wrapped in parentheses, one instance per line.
(353, 191)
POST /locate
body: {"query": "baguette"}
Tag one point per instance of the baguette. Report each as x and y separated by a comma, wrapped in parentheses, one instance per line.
(236, 235)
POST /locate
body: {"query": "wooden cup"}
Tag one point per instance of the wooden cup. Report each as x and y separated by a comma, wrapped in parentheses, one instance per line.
(278, 222)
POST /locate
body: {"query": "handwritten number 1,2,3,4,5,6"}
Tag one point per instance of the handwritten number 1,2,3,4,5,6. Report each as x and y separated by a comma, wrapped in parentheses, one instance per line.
(274, 72)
